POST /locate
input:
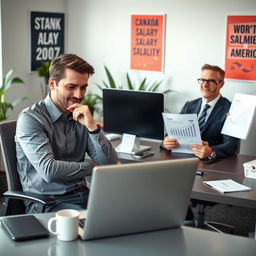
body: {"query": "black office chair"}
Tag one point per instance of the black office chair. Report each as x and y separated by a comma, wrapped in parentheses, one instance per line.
(14, 198)
(200, 222)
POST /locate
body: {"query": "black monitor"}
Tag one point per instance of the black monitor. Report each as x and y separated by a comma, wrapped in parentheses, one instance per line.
(133, 112)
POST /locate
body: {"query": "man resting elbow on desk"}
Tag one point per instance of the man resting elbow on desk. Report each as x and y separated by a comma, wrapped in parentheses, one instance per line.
(212, 110)
(54, 135)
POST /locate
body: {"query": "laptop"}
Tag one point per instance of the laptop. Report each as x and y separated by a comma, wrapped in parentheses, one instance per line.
(138, 197)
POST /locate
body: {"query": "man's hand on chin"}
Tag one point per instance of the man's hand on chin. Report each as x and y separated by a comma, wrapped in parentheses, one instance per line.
(82, 114)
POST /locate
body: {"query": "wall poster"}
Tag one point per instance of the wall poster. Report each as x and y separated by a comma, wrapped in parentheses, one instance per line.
(47, 37)
(147, 42)
(240, 60)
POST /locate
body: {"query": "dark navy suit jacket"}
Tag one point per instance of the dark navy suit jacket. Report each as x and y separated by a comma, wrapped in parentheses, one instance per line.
(222, 145)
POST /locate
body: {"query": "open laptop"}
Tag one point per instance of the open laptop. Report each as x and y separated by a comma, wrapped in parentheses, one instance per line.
(138, 197)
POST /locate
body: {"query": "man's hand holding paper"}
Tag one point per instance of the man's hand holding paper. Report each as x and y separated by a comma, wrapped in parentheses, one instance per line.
(182, 131)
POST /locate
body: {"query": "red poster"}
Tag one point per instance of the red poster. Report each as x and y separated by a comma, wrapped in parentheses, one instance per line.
(147, 33)
(241, 48)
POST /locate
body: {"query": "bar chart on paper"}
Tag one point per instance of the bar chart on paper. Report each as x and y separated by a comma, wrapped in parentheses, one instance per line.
(184, 128)
(188, 131)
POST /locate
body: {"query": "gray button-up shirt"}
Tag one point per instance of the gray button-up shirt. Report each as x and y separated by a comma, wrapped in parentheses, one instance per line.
(51, 150)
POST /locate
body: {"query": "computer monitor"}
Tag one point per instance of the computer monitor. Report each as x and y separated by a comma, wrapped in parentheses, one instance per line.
(134, 112)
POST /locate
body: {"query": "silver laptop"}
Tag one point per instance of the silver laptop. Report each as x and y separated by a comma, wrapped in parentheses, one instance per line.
(138, 197)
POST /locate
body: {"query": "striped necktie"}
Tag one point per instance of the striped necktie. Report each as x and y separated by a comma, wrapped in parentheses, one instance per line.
(201, 120)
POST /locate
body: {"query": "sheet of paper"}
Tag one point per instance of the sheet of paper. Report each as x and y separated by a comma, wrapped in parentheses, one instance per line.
(240, 116)
(184, 128)
(127, 143)
(228, 185)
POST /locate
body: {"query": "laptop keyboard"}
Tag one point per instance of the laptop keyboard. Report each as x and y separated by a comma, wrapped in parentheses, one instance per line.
(81, 222)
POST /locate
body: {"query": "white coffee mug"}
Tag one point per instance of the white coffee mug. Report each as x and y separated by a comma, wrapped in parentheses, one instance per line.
(67, 222)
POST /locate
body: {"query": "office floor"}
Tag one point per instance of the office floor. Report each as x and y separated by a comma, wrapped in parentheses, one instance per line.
(242, 219)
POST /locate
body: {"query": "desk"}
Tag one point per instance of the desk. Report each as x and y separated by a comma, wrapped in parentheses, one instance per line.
(182, 241)
(226, 168)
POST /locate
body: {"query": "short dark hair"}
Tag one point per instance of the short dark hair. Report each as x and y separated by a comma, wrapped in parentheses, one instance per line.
(71, 61)
(215, 68)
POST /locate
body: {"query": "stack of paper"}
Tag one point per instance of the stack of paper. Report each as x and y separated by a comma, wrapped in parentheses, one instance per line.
(226, 186)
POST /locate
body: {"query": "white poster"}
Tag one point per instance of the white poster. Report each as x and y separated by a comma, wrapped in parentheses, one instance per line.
(240, 116)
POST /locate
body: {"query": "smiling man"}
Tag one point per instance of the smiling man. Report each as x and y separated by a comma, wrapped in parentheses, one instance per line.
(54, 136)
(212, 110)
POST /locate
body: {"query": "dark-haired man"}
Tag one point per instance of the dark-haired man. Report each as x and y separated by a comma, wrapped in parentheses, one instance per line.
(55, 135)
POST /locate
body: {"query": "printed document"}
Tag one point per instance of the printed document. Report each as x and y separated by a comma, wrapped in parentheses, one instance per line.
(228, 185)
(184, 128)
(240, 116)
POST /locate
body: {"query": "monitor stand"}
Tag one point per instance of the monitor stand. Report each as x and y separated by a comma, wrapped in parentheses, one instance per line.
(137, 148)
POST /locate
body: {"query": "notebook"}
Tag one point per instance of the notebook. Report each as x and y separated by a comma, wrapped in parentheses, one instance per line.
(138, 197)
(23, 227)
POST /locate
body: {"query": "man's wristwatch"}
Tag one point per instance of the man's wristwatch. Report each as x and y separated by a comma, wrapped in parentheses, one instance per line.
(95, 131)
(213, 155)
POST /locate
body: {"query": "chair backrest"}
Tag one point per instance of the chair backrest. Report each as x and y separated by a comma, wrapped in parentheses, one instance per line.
(8, 150)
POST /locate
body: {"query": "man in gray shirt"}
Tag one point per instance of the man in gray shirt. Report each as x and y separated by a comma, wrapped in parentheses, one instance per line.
(55, 135)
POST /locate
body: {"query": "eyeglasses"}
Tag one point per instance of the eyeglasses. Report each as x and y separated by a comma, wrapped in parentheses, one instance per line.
(211, 82)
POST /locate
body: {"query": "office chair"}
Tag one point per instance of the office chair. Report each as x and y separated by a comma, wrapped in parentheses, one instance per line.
(14, 197)
(200, 221)
(201, 204)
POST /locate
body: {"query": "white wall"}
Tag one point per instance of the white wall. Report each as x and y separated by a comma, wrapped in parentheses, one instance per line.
(195, 34)
(16, 47)
(99, 31)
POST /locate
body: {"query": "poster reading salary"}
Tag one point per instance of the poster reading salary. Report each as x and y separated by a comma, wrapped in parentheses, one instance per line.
(240, 60)
(47, 37)
(147, 32)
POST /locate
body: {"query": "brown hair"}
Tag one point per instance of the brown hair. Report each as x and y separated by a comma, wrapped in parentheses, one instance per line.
(215, 68)
(71, 61)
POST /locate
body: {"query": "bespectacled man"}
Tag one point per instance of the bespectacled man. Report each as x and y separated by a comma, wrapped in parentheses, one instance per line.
(214, 144)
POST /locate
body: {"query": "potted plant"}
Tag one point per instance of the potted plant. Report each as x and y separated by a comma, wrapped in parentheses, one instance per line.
(144, 85)
(43, 71)
(6, 84)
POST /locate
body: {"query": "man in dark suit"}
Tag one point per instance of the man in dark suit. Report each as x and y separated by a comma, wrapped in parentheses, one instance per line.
(212, 110)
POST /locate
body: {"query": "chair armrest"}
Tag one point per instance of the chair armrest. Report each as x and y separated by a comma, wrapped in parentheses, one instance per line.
(37, 198)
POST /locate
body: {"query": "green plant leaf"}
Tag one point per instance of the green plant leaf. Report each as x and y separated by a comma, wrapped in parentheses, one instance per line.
(129, 82)
(6, 84)
(167, 91)
(43, 70)
(10, 82)
(18, 101)
(155, 86)
(7, 77)
(110, 78)
(17, 80)
(142, 85)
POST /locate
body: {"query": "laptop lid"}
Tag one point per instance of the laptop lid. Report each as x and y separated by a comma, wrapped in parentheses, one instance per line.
(137, 197)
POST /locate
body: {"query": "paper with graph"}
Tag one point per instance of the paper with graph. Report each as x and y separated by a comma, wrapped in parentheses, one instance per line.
(240, 116)
(184, 128)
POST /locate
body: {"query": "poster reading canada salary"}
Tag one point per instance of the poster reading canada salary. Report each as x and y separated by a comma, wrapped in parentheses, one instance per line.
(147, 32)
(241, 48)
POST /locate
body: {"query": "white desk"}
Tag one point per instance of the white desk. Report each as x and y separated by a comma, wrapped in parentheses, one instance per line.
(183, 241)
